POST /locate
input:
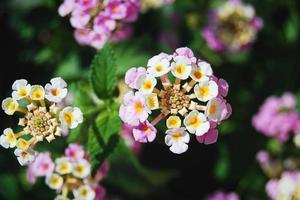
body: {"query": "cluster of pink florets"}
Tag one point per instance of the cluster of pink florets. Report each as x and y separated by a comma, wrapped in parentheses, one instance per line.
(97, 22)
(220, 195)
(71, 173)
(192, 103)
(278, 117)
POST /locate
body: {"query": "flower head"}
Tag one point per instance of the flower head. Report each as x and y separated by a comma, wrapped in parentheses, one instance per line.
(71, 176)
(232, 27)
(192, 103)
(278, 117)
(286, 187)
(41, 166)
(41, 115)
(97, 22)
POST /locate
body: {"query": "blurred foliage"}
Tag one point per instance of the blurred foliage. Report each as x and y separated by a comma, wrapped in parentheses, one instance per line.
(45, 43)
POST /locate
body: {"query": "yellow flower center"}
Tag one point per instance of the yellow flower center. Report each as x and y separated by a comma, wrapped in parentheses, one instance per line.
(12, 106)
(69, 117)
(212, 109)
(55, 92)
(180, 69)
(147, 85)
(138, 107)
(204, 91)
(24, 154)
(177, 136)
(194, 121)
(54, 181)
(79, 169)
(11, 138)
(198, 74)
(22, 92)
(22, 144)
(159, 68)
(84, 192)
(173, 122)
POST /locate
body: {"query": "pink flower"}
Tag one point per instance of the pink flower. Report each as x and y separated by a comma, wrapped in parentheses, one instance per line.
(211, 136)
(272, 188)
(116, 9)
(66, 8)
(104, 24)
(100, 192)
(144, 132)
(126, 134)
(74, 152)
(278, 117)
(133, 8)
(132, 76)
(219, 195)
(86, 4)
(82, 36)
(286, 186)
(212, 41)
(134, 109)
(123, 32)
(80, 19)
(263, 157)
(186, 52)
(98, 40)
(41, 166)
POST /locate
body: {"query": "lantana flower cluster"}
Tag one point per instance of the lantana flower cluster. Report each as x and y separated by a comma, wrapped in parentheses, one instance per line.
(40, 116)
(278, 117)
(69, 175)
(220, 195)
(180, 90)
(97, 22)
(154, 4)
(286, 187)
(232, 27)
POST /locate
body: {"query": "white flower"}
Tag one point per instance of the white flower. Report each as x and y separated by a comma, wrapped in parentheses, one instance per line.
(214, 109)
(21, 89)
(63, 166)
(202, 72)
(9, 105)
(196, 122)
(173, 122)
(8, 139)
(22, 144)
(205, 91)
(56, 91)
(84, 192)
(177, 139)
(181, 67)
(158, 66)
(152, 101)
(71, 117)
(37, 92)
(81, 169)
(24, 157)
(146, 84)
(54, 181)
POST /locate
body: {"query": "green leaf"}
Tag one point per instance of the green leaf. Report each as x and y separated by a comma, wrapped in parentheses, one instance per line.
(103, 73)
(103, 137)
(127, 174)
(129, 55)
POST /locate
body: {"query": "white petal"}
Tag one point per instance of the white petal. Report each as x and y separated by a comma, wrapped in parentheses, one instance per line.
(179, 147)
(19, 84)
(169, 140)
(202, 129)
